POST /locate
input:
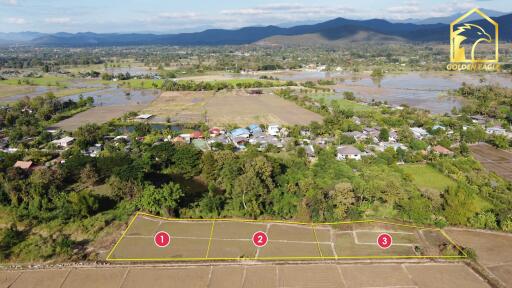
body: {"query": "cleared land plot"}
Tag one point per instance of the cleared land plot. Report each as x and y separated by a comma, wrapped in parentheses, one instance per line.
(224, 107)
(493, 250)
(378, 275)
(445, 276)
(12, 90)
(96, 278)
(40, 279)
(98, 115)
(232, 240)
(308, 276)
(226, 277)
(193, 277)
(495, 160)
(258, 276)
(8, 277)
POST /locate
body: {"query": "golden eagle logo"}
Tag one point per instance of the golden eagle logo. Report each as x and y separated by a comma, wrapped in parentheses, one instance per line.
(473, 35)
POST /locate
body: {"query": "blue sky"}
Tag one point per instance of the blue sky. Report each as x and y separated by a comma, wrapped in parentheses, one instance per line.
(167, 16)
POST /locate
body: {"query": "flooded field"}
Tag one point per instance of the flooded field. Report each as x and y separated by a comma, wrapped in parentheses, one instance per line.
(421, 90)
(113, 96)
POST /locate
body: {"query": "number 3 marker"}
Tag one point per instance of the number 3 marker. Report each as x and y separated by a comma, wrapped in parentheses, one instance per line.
(162, 239)
(384, 241)
(259, 239)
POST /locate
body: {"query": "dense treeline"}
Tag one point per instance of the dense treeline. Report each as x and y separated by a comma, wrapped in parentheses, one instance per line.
(172, 85)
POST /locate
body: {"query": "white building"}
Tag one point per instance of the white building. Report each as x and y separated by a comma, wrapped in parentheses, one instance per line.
(64, 142)
(348, 152)
(419, 133)
(273, 129)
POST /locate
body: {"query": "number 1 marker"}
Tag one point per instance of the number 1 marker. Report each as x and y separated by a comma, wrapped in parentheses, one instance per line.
(162, 239)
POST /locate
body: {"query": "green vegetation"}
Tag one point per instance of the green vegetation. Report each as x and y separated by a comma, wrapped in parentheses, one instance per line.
(427, 177)
(38, 81)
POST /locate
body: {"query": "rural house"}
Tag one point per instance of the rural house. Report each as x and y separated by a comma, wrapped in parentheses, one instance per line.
(419, 133)
(25, 165)
(348, 152)
(64, 142)
(442, 150)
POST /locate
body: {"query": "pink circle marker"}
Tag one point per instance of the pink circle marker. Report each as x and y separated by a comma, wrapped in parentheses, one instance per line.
(384, 240)
(162, 239)
(260, 239)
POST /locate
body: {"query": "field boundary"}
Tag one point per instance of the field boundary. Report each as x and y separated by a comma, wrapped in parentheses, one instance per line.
(283, 258)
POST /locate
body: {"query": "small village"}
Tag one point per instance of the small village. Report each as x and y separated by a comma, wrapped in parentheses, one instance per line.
(275, 137)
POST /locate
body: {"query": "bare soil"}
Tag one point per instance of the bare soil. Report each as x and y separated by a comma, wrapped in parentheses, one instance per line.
(227, 107)
(251, 275)
(495, 160)
(98, 115)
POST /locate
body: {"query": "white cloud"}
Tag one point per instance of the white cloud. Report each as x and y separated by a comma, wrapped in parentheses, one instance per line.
(179, 15)
(287, 11)
(16, 20)
(58, 20)
(11, 2)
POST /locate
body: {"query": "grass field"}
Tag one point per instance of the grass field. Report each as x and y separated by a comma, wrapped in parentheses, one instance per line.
(346, 104)
(7, 90)
(42, 81)
(226, 107)
(428, 178)
(225, 239)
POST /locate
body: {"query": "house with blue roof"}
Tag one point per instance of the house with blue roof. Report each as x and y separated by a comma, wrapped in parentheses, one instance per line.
(255, 129)
(240, 133)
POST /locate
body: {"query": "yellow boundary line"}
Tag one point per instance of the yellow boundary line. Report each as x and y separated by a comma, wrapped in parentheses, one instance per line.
(122, 236)
(137, 214)
(453, 243)
(317, 242)
(210, 241)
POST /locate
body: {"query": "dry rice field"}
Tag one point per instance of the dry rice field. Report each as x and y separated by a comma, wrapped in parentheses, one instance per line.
(229, 107)
(495, 160)
(98, 115)
(493, 250)
(392, 275)
(224, 239)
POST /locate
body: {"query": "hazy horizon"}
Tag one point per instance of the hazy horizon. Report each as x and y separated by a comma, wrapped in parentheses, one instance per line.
(154, 16)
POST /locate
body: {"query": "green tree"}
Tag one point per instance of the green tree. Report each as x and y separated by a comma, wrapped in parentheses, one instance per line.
(88, 176)
(161, 201)
(343, 197)
(461, 203)
(384, 135)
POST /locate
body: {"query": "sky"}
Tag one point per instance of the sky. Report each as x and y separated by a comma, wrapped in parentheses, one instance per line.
(170, 16)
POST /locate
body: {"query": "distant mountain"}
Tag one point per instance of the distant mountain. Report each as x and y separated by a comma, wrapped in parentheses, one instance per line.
(450, 19)
(16, 37)
(339, 29)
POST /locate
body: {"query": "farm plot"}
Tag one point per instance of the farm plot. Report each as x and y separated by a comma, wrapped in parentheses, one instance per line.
(226, 107)
(495, 160)
(98, 115)
(229, 239)
(493, 250)
(438, 275)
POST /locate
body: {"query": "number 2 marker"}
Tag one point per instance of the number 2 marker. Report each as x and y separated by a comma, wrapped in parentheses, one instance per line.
(259, 239)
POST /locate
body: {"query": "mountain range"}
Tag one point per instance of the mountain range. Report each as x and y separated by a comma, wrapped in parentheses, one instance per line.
(335, 30)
